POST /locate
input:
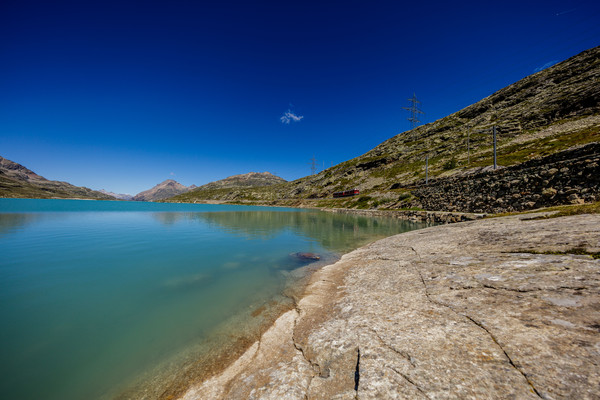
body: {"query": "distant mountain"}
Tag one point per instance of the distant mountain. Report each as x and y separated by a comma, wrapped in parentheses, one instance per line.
(18, 172)
(118, 196)
(162, 191)
(251, 179)
(17, 181)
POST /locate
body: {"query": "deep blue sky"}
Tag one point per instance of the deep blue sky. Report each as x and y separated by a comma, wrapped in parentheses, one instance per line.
(122, 95)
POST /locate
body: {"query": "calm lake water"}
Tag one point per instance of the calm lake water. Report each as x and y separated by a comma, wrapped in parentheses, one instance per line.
(102, 299)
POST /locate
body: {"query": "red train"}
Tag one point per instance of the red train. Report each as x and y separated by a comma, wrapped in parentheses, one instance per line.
(346, 193)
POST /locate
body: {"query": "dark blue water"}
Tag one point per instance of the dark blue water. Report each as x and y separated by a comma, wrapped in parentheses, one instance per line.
(99, 299)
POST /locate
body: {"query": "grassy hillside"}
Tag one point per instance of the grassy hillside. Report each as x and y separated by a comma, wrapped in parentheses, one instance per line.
(251, 179)
(12, 188)
(541, 114)
(17, 181)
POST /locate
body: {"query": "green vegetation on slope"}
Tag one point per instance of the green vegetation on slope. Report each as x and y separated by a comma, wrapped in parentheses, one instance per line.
(11, 188)
(17, 181)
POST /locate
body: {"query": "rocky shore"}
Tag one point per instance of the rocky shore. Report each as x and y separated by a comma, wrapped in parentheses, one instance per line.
(504, 308)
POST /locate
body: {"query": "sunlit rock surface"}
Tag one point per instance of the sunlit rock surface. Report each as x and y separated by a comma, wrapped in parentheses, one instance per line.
(497, 308)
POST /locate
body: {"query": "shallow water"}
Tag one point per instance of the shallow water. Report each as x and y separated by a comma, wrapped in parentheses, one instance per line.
(94, 295)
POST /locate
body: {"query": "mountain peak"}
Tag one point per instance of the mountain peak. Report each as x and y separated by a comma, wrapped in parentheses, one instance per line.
(163, 190)
(250, 179)
(120, 196)
(18, 171)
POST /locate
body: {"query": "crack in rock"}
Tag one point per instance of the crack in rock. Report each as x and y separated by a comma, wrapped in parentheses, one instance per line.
(327, 280)
(315, 367)
(406, 378)
(381, 258)
(403, 354)
(486, 286)
(357, 371)
(477, 324)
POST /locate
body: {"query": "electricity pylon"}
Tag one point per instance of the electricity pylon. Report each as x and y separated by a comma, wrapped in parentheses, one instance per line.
(313, 165)
(414, 112)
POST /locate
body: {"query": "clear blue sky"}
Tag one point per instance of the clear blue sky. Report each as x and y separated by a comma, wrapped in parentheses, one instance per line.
(121, 95)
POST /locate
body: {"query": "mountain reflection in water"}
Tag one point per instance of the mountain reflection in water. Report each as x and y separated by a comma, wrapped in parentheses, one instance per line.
(335, 232)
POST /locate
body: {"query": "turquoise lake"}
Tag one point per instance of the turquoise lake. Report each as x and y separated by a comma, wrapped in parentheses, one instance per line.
(103, 299)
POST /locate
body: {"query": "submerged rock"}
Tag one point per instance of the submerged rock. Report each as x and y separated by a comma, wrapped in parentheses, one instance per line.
(306, 256)
(296, 261)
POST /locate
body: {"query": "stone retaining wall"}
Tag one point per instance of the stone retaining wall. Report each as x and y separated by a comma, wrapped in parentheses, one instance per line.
(568, 177)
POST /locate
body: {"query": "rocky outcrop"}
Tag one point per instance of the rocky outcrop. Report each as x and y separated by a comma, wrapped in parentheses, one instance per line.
(163, 190)
(503, 308)
(251, 186)
(18, 172)
(251, 179)
(568, 177)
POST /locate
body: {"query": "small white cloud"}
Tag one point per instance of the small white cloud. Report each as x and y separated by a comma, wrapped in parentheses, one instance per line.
(566, 12)
(289, 116)
(547, 65)
(172, 173)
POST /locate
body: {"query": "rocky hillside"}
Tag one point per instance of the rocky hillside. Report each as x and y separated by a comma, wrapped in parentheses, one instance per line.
(17, 181)
(251, 179)
(544, 113)
(233, 185)
(163, 190)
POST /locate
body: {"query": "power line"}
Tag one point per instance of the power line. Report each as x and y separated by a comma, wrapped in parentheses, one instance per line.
(313, 165)
(493, 131)
(414, 111)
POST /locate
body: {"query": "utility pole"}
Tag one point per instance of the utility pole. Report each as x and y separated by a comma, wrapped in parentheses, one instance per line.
(414, 112)
(427, 168)
(493, 131)
(469, 146)
(313, 165)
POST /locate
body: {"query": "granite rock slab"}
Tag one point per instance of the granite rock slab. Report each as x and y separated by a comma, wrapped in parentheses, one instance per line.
(490, 309)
